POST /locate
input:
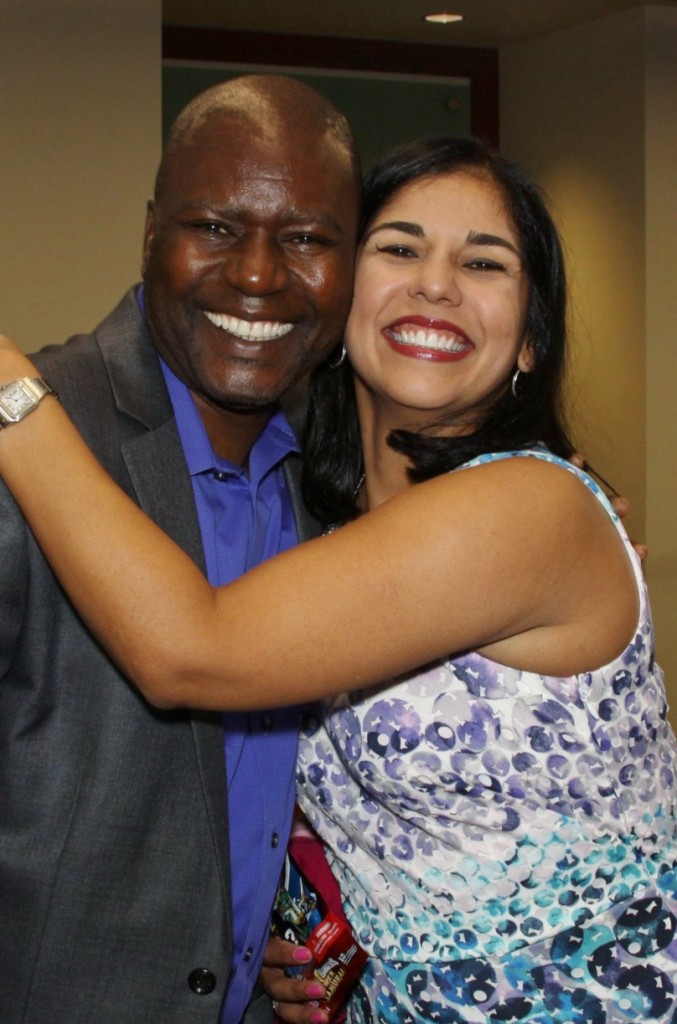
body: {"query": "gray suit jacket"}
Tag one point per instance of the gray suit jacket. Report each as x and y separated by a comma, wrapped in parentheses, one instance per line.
(114, 872)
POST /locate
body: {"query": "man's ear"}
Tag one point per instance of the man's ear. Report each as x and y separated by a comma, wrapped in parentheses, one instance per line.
(148, 234)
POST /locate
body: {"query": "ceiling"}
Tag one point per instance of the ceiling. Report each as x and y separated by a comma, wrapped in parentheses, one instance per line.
(490, 23)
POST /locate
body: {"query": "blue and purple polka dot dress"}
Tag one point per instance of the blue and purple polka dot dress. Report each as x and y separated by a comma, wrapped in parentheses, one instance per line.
(505, 842)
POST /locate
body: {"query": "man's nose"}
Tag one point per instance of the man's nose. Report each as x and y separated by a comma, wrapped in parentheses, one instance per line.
(255, 265)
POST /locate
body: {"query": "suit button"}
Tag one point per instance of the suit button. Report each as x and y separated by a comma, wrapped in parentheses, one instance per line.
(202, 981)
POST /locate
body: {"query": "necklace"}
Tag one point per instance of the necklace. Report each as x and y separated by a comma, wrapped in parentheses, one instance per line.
(335, 526)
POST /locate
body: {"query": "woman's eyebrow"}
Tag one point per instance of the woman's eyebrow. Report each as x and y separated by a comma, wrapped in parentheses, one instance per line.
(397, 225)
(473, 237)
(479, 238)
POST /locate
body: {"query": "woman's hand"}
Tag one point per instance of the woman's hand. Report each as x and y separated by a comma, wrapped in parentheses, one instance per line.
(291, 996)
(7, 345)
(13, 362)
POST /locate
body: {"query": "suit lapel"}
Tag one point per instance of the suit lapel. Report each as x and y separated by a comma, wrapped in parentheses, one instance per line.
(306, 526)
(157, 469)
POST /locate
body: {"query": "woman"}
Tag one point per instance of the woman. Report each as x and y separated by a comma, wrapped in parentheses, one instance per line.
(502, 820)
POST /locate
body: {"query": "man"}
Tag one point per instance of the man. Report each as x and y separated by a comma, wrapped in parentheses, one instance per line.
(138, 863)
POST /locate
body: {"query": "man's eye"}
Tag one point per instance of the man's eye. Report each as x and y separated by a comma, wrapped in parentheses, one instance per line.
(209, 227)
(307, 239)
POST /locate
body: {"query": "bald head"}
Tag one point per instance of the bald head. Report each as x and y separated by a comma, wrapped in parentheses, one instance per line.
(269, 107)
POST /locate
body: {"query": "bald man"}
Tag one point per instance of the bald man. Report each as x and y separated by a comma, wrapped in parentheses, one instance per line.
(140, 850)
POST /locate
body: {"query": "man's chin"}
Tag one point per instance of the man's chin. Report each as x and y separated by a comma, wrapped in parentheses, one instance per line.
(255, 396)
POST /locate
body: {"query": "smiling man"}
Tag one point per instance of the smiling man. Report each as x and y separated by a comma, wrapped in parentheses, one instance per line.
(140, 850)
(249, 249)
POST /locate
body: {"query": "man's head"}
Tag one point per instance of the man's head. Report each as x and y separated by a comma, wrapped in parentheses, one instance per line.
(249, 245)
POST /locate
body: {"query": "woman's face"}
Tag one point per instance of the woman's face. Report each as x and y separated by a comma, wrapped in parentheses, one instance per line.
(437, 322)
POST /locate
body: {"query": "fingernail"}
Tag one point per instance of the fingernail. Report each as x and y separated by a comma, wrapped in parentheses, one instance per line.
(315, 990)
(302, 955)
(318, 1017)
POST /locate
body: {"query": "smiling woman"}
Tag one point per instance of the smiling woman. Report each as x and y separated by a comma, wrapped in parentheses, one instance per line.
(509, 258)
(491, 768)
(438, 321)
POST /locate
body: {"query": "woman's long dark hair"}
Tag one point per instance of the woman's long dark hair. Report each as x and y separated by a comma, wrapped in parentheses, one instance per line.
(332, 444)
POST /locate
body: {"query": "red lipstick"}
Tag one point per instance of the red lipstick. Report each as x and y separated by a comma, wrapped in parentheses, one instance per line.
(428, 338)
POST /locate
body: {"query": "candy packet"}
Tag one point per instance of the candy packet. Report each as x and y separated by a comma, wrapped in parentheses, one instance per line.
(308, 911)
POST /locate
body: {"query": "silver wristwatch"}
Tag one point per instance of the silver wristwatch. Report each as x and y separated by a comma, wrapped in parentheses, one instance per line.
(21, 397)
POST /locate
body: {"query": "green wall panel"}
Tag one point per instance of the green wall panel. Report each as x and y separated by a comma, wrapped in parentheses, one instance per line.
(384, 111)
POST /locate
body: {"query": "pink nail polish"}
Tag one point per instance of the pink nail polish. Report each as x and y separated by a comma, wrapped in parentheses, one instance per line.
(302, 955)
(315, 990)
(318, 1017)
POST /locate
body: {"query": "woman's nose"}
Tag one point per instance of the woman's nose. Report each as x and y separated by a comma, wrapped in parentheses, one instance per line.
(436, 280)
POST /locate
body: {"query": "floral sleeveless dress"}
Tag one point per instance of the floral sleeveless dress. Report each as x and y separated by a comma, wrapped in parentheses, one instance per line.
(505, 842)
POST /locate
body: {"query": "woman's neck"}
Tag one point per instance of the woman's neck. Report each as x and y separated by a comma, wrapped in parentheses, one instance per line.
(385, 470)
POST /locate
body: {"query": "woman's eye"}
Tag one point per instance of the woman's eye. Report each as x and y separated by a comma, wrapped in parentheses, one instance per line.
(396, 249)
(484, 264)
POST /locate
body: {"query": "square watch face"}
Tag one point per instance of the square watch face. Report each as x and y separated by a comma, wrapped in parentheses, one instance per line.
(16, 400)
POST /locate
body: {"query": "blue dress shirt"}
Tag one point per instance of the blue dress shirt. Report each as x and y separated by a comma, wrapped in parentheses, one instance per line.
(246, 517)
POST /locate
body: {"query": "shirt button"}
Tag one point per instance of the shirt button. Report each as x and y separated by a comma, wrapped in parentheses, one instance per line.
(267, 723)
(248, 955)
(201, 981)
(275, 840)
(219, 475)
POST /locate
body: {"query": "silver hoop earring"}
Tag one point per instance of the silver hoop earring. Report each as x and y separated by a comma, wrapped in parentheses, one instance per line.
(339, 361)
(513, 383)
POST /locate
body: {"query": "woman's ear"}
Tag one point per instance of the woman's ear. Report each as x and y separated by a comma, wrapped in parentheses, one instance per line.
(525, 358)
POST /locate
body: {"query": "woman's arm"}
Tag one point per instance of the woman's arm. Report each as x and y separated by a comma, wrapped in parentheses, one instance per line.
(514, 557)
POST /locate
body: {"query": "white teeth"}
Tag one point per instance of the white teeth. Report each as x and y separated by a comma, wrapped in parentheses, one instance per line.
(257, 330)
(430, 339)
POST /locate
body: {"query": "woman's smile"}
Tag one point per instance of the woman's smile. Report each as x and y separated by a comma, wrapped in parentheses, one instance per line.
(428, 338)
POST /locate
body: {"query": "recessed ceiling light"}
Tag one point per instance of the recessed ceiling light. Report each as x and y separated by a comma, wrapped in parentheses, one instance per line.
(443, 19)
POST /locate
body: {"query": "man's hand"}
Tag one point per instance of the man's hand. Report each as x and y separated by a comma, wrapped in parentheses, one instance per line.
(291, 996)
(621, 505)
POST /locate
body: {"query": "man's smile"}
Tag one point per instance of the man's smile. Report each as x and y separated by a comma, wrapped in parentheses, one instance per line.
(246, 330)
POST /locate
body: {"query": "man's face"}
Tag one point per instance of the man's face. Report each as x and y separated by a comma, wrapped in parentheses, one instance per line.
(248, 261)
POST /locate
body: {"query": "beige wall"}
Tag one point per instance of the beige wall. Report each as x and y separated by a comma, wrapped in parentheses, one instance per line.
(661, 330)
(590, 112)
(80, 125)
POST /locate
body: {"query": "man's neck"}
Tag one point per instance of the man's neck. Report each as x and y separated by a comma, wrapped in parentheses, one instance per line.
(232, 432)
